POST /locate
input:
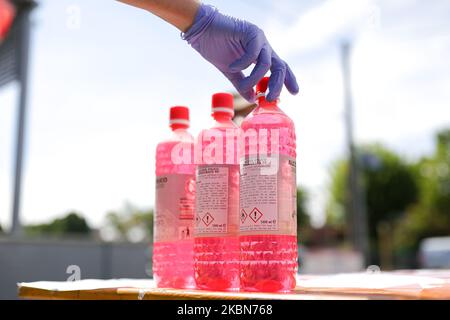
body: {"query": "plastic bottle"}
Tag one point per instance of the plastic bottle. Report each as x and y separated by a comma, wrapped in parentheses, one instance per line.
(217, 204)
(173, 257)
(268, 210)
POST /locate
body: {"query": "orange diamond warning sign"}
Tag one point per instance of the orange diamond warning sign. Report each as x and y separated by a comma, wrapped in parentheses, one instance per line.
(207, 219)
(243, 215)
(255, 215)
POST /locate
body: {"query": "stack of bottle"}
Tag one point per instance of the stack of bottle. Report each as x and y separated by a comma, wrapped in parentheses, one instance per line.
(225, 214)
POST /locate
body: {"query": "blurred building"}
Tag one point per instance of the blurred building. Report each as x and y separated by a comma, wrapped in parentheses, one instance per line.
(435, 252)
(52, 259)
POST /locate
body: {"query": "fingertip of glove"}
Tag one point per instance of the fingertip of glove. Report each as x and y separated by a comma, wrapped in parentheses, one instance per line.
(245, 84)
(272, 95)
(249, 96)
(294, 88)
(271, 98)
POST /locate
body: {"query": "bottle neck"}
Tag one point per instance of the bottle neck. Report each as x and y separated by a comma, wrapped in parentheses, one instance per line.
(222, 116)
(263, 103)
(181, 134)
(178, 127)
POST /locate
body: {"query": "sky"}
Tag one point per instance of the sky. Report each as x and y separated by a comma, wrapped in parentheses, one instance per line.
(103, 76)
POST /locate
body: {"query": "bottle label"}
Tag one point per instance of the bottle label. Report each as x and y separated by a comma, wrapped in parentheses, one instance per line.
(268, 194)
(174, 209)
(212, 200)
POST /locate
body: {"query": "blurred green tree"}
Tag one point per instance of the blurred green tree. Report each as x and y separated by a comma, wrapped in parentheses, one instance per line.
(71, 224)
(128, 224)
(431, 215)
(303, 218)
(304, 228)
(389, 188)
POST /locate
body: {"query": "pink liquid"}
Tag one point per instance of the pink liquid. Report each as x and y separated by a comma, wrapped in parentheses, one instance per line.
(269, 262)
(269, 258)
(217, 263)
(216, 255)
(173, 248)
(173, 264)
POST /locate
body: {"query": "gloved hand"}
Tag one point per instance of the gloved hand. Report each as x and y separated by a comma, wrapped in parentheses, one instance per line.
(232, 45)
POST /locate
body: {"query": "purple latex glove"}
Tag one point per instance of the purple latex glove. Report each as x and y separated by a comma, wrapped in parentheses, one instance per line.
(232, 45)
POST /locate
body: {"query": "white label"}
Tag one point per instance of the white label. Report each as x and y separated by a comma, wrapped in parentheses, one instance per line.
(174, 210)
(212, 199)
(267, 194)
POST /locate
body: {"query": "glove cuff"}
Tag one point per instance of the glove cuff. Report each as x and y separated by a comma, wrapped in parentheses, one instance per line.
(205, 15)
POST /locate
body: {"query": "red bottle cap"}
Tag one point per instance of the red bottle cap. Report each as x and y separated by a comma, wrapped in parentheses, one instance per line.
(262, 85)
(222, 103)
(179, 117)
(261, 89)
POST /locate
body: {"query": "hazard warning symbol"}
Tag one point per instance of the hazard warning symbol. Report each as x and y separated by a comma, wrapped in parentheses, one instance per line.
(207, 219)
(243, 215)
(255, 215)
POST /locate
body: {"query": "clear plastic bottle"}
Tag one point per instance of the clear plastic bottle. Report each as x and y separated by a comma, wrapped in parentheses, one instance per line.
(216, 246)
(268, 211)
(173, 257)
